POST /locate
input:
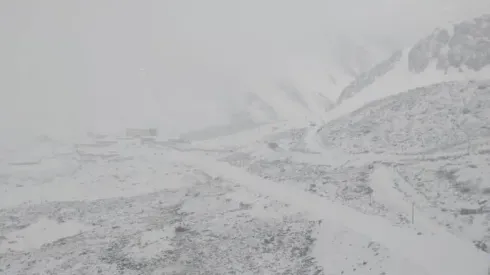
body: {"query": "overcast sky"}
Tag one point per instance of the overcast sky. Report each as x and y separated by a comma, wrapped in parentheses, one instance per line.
(71, 65)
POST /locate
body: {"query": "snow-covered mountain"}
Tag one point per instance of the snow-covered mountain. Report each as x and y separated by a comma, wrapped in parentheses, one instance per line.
(423, 113)
(459, 52)
(355, 55)
(304, 90)
(281, 101)
(309, 89)
(436, 140)
(426, 119)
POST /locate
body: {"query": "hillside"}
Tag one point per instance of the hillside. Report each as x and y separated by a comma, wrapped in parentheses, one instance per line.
(436, 140)
(459, 52)
(305, 90)
(282, 102)
(425, 119)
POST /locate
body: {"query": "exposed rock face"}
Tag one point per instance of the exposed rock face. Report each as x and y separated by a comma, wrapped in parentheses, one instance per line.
(467, 46)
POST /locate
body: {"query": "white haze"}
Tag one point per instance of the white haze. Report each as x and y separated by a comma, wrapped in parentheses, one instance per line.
(72, 66)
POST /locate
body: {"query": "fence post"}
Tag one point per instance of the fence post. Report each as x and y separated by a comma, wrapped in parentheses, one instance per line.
(413, 214)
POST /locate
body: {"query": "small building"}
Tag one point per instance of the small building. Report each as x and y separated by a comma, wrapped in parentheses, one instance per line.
(144, 132)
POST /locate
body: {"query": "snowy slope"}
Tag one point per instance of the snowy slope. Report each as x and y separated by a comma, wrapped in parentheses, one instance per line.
(438, 116)
(282, 102)
(308, 88)
(304, 90)
(291, 97)
(357, 54)
(436, 140)
(460, 52)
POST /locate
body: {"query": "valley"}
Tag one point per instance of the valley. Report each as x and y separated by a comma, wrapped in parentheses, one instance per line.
(385, 181)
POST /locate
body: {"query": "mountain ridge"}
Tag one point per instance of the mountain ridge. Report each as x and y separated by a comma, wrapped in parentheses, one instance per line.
(459, 52)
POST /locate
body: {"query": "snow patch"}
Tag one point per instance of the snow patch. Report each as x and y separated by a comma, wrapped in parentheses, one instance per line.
(153, 243)
(43, 232)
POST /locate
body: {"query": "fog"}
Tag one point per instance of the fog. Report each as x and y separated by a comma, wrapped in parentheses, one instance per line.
(72, 66)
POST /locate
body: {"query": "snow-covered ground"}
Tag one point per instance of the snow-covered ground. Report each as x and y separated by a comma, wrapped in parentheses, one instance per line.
(142, 211)
(279, 203)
